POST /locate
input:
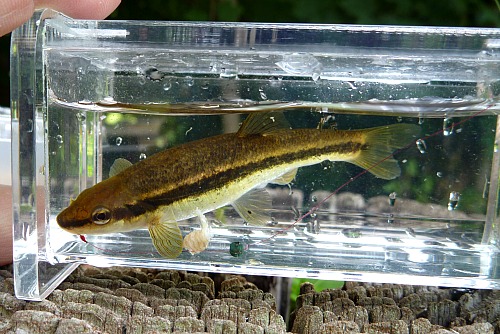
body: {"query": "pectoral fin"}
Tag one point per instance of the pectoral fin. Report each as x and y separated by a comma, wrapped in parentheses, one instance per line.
(254, 207)
(167, 238)
(118, 166)
(286, 178)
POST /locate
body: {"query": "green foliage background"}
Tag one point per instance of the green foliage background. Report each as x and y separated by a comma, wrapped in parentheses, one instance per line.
(475, 13)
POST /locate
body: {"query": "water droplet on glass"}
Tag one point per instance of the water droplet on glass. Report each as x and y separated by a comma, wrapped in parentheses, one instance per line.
(411, 232)
(59, 139)
(153, 74)
(167, 85)
(29, 127)
(80, 117)
(314, 199)
(262, 94)
(189, 81)
(142, 156)
(439, 174)
(118, 141)
(227, 73)
(351, 233)
(390, 219)
(421, 145)
(392, 198)
(301, 64)
(108, 100)
(448, 126)
(453, 202)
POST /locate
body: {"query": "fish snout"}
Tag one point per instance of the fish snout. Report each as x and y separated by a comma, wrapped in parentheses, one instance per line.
(72, 220)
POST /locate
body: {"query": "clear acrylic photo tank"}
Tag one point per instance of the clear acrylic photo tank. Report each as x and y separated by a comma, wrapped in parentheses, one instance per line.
(85, 93)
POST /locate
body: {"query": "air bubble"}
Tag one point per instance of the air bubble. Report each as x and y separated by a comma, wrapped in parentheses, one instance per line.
(314, 199)
(392, 198)
(448, 126)
(142, 156)
(439, 174)
(59, 139)
(118, 141)
(390, 219)
(421, 145)
(453, 202)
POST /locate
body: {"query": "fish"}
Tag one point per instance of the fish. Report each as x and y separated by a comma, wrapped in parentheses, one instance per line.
(201, 176)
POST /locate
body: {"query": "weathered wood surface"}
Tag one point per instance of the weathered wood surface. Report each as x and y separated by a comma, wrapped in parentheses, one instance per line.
(128, 300)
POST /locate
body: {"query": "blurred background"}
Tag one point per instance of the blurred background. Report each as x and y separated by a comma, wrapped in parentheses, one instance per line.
(473, 13)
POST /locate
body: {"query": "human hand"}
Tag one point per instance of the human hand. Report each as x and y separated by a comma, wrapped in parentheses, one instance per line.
(13, 13)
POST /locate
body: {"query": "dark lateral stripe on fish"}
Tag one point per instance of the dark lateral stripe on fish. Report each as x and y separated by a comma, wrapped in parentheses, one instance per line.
(74, 223)
(212, 182)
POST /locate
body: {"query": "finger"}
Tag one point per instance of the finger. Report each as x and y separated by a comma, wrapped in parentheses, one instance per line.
(81, 9)
(13, 13)
(5, 225)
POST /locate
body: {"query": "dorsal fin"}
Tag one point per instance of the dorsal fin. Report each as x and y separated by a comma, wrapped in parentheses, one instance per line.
(261, 123)
(119, 166)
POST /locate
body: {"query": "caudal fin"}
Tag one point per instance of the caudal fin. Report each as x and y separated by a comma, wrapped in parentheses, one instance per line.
(381, 143)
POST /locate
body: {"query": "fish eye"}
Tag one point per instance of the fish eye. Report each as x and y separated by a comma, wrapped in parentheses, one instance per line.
(101, 216)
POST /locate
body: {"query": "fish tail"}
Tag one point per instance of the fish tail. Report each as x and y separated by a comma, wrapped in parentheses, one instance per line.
(380, 146)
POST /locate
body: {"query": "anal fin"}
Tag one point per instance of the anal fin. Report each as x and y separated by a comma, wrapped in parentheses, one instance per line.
(254, 207)
(167, 238)
(286, 178)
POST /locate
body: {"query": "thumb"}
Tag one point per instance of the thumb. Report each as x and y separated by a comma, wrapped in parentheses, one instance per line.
(13, 13)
